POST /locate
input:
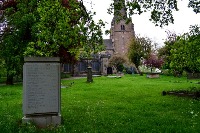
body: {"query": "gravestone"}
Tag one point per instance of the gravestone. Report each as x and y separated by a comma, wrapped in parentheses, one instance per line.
(41, 91)
(153, 75)
(89, 75)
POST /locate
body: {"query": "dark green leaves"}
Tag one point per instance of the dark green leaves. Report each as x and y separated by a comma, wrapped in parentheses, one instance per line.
(195, 4)
(161, 10)
(48, 28)
(139, 48)
(185, 52)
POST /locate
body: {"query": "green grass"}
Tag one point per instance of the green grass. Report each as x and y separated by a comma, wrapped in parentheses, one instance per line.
(128, 104)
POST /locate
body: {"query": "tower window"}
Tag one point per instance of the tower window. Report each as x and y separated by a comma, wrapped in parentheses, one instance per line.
(122, 27)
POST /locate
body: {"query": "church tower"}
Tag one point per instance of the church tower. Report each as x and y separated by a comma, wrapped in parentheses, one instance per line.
(121, 31)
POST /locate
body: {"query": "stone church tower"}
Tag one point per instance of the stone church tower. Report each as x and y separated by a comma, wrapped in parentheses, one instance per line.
(121, 36)
(121, 31)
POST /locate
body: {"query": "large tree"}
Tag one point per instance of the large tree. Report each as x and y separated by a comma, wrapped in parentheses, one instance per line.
(70, 26)
(185, 53)
(15, 34)
(46, 28)
(140, 47)
(181, 53)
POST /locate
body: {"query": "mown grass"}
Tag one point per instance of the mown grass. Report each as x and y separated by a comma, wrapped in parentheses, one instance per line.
(128, 104)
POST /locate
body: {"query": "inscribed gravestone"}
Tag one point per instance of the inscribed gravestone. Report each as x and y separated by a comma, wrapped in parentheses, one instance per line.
(41, 82)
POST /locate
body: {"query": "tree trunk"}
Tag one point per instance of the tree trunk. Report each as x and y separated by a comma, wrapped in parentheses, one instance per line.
(139, 72)
(73, 69)
(9, 80)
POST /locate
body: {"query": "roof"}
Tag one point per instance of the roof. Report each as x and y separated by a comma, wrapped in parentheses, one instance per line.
(108, 44)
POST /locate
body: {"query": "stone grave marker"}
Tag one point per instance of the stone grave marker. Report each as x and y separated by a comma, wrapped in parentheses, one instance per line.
(41, 91)
(89, 75)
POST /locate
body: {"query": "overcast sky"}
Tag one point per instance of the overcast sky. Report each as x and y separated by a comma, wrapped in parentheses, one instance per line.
(183, 19)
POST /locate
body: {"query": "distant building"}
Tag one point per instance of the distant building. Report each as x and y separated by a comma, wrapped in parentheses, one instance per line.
(121, 33)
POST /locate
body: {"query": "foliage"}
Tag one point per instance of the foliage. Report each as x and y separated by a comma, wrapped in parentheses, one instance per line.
(164, 52)
(129, 104)
(139, 48)
(14, 38)
(117, 62)
(71, 27)
(2, 68)
(185, 53)
(161, 10)
(153, 61)
(181, 53)
(195, 5)
(47, 28)
(177, 57)
(94, 41)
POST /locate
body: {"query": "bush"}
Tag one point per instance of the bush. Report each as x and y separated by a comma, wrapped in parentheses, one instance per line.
(130, 70)
(120, 67)
(65, 75)
(117, 62)
(167, 72)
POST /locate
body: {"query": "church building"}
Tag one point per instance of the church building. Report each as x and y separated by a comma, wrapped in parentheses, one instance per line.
(121, 34)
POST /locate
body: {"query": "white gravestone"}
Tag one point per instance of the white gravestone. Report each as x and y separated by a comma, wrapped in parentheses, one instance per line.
(41, 91)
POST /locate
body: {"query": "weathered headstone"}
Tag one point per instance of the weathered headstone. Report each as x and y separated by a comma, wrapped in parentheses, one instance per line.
(89, 74)
(41, 91)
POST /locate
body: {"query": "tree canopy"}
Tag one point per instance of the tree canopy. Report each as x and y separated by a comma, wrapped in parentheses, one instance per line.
(181, 53)
(161, 10)
(139, 48)
(185, 53)
(164, 52)
(47, 28)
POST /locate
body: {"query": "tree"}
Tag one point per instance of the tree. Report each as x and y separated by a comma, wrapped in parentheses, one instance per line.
(181, 53)
(46, 28)
(70, 27)
(161, 10)
(164, 52)
(117, 62)
(185, 53)
(153, 61)
(13, 40)
(139, 48)
(2, 68)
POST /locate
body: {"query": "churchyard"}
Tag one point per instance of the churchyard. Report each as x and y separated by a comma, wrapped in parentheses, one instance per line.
(132, 103)
(38, 45)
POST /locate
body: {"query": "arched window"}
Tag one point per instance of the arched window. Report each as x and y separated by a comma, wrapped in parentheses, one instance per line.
(67, 68)
(122, 27)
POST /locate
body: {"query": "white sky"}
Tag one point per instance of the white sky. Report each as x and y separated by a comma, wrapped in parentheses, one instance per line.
(183, 19)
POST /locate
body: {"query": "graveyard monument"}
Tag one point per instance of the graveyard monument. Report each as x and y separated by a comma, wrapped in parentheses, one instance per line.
(41, 91)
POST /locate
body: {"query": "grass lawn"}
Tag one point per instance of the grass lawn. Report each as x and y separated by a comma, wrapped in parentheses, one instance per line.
(128, 104)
